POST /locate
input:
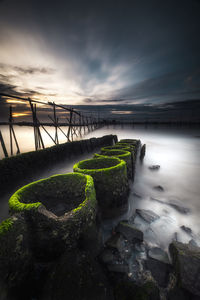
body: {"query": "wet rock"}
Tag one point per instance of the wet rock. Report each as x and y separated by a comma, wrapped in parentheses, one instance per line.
(157, 200)
(140, 247)
(129, 231)
(116, 241)
(137, 195)
(107, 256)
(76, 276)
(179, 208)
(159, 270)
(159, 254)
(193, 243)
(186, 229)
(148, 215)
(159, 188)
(119, 268)
(154, 167)
(186, 260)
(143, 152)
(144, 290)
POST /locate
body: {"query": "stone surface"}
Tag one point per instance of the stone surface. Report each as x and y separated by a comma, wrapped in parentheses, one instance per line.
(159, 254)
(159, 188)
(119, 268)
(77, 276)
(130, 232)
(186, 229)
(186, 260)
(179, 208)
(147, 215)
(116, 241)
(159, 270)
(154, 167)
(107, 256)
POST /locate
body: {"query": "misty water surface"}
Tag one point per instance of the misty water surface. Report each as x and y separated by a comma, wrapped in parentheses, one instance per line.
(176, 150)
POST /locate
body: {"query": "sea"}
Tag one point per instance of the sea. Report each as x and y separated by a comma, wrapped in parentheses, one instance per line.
(172, 191)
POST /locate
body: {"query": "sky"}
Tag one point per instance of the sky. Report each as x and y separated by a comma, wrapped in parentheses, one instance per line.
(120, 58)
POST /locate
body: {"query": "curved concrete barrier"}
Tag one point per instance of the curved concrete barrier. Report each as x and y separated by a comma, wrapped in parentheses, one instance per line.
(111, 182)
(121, 154)
(58, 210)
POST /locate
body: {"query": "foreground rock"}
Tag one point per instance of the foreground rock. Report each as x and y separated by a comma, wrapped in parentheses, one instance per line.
(77, 276)
(158, 254)
(154, 167)
(159, 188)
(186, 260)
(130, 232)
(147, 215)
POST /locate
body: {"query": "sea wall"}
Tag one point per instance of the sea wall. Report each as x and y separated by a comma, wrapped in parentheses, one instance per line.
(20, 168)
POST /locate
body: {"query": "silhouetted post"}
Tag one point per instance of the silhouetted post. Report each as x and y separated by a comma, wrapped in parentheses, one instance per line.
(142, 152)
(12, 133)
(3, 145)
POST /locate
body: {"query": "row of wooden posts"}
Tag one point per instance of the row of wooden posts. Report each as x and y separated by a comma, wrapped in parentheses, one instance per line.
(78, 125)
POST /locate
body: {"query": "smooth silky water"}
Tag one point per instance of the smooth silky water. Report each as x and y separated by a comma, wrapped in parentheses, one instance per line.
(176, 150)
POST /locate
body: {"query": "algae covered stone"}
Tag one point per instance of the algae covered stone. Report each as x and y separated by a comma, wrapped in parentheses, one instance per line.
(121, 154)
(110, 179)
(58, 210)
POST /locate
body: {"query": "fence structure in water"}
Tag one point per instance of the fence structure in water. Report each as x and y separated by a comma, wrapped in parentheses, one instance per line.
(77, 123)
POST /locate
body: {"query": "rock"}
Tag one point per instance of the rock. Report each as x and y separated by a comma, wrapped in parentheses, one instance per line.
(157, 200)
(159, 188)
(159, 270)
(130, 232)
(119, 268)
(193, 243)
(179, 208)
(145, 290)
(154, 167)
(159, 254)
(186, 260)
(137, 195)
(186, 229)
(148, 215)
(76, 276)
(116, 242)
(107, 256)
(142, 152)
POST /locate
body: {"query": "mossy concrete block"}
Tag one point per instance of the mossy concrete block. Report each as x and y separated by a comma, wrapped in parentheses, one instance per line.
(186, 260)
(58, 211)
(77, 276)
(16, 260)
(110, 179)
(121, 154)
(23, 167)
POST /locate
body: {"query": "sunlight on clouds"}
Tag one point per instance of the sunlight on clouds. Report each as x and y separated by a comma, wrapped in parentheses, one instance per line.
(22, 114)
(121, 112)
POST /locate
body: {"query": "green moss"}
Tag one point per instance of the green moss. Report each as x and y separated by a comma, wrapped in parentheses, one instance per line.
(110, 179)
(5, 226)
(70, 189)
(121, 154)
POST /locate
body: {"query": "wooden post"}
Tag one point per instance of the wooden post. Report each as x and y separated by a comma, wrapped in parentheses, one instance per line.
(3, 145)
(70, 122)
(12, 134)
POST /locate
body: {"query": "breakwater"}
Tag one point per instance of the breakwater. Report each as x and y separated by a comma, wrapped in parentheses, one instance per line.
(56, 246)
(18, 169)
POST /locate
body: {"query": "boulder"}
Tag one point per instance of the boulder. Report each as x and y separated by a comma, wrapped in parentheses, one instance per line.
(159, 270)
(118, 268)
(186, 260)
(186, 229)
(154, 167)
(142, 152)
(158, 254)
(159, 188)
(130, 232)
(147, 215)
(76, 276)
(116, 241)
